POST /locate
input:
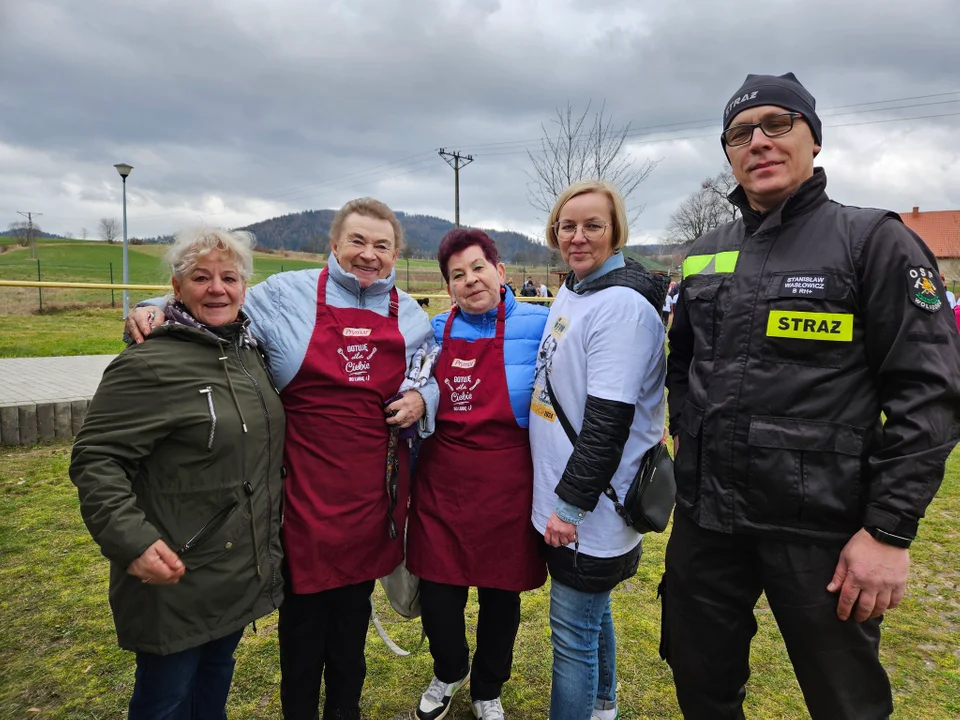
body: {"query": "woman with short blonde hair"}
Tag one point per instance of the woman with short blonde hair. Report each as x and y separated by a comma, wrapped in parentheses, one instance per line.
(600, 370)
(618, 211)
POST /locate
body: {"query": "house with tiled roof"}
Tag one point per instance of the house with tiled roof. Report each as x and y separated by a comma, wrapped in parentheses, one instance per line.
(940, 230)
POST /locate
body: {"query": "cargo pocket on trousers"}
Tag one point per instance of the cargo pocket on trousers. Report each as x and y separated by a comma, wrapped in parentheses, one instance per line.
(686, 466)
(804, 473)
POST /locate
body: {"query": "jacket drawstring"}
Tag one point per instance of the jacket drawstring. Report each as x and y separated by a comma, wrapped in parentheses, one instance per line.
(247, 487)
(232, 393)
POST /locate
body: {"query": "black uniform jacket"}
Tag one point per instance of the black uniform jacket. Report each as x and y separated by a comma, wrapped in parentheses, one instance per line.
(793, 332)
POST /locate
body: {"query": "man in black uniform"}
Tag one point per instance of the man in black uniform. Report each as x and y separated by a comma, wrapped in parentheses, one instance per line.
(797, 326)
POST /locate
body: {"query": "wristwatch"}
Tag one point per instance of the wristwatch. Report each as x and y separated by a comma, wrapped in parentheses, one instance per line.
(888, 538)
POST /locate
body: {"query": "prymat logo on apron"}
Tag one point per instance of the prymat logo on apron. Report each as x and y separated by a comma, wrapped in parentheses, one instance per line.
(356, 354)
(463, 385)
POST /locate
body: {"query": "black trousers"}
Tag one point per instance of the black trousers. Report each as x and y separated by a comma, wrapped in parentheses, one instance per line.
(711, 585)
(442, 616)
(322, 635)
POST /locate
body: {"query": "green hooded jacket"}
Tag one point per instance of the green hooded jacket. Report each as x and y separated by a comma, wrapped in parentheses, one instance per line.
(183, 442)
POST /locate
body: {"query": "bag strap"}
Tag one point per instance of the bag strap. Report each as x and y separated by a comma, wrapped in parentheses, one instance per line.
(572, 436)
(387, 640)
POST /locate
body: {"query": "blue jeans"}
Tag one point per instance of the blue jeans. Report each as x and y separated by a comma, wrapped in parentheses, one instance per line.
(584, 653)
(188, 685)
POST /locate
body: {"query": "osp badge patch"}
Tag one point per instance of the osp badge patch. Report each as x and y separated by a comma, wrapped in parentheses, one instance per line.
(922, 290)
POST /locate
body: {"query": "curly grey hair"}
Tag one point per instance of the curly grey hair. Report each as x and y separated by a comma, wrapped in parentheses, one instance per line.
(192, 244)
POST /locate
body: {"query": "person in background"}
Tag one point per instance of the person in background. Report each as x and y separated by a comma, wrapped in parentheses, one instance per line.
(951, 298)
(339, 342)
(178, 471)
(602, 364)
(528, 289)
(473, 492)
(668, 301)
(814, 387)
(543, 291)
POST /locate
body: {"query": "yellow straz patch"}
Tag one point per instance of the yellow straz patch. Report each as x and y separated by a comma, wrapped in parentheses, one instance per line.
(810, 325)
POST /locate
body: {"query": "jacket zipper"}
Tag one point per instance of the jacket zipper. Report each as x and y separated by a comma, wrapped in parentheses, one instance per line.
(208, 391)
(209, 528)
(266, 417)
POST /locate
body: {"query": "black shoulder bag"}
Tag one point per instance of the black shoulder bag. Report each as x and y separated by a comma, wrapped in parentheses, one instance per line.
(653, 492)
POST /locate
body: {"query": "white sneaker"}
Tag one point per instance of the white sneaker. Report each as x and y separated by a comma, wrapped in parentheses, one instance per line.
(488, 709)
(435, 702)
(611, 714)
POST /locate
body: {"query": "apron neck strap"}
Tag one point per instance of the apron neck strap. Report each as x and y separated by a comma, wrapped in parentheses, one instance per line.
(449, 324)
(501, 321)
(394, 302)
(322, 294)
(322, 287)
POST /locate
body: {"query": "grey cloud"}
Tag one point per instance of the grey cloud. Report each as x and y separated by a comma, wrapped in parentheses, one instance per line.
(286, 102)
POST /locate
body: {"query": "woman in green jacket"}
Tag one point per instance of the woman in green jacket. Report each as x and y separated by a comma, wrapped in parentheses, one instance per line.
(178, 467)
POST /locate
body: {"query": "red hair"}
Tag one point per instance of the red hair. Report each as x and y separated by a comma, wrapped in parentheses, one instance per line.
(458, 240)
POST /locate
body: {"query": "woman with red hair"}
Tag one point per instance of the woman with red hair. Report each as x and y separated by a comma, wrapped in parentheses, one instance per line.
(473, 492)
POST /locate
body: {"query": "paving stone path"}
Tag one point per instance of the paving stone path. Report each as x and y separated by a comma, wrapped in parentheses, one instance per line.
(44, 398)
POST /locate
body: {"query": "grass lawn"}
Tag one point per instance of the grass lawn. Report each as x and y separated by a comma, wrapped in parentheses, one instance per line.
(90, 331)
(58, 654)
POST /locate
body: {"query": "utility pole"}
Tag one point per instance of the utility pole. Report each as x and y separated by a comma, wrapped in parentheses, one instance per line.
(33, 246)
(456, 161)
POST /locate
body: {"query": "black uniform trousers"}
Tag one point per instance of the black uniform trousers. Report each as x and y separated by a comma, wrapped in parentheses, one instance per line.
(322, 635)
(710, 587)
(442, 616)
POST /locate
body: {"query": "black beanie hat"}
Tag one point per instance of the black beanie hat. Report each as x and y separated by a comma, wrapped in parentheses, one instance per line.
(781, 90)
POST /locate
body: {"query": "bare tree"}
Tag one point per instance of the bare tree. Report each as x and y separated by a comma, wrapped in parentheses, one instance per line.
(698, 214)
(720, 186)
(109, 229)
(704, 210)
(24, 232)
(581, 148)
(83, 233)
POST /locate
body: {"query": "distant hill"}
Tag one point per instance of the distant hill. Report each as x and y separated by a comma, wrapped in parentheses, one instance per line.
(310, 231)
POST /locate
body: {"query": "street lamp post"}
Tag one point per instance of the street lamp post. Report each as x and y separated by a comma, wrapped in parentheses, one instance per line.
(124, 170)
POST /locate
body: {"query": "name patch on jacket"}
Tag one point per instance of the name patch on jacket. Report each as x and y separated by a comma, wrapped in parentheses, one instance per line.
(921, 289)
(805, 285)
(837, 327)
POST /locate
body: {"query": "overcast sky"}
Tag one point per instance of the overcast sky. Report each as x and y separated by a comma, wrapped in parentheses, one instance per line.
(233, 111)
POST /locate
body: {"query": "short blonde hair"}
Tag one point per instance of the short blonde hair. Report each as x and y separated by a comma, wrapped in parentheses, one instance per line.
(192, 244)
(367, 207)
(618, 210)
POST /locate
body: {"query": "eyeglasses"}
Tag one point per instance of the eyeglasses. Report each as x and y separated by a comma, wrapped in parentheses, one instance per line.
(591, 230)
(772, 126)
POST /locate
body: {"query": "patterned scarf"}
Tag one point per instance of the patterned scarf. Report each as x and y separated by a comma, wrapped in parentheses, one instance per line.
(176, 313)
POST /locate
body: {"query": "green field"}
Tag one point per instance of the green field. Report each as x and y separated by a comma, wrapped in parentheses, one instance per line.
(82, 322)
(78, 261)
(58, 654)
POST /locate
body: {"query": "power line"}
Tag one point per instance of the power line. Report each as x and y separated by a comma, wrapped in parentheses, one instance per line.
(670, 132)
(717, 134)
(711, 122)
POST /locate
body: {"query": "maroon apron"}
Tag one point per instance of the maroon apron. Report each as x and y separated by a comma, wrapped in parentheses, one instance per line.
(470, 512)
(336, 527)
